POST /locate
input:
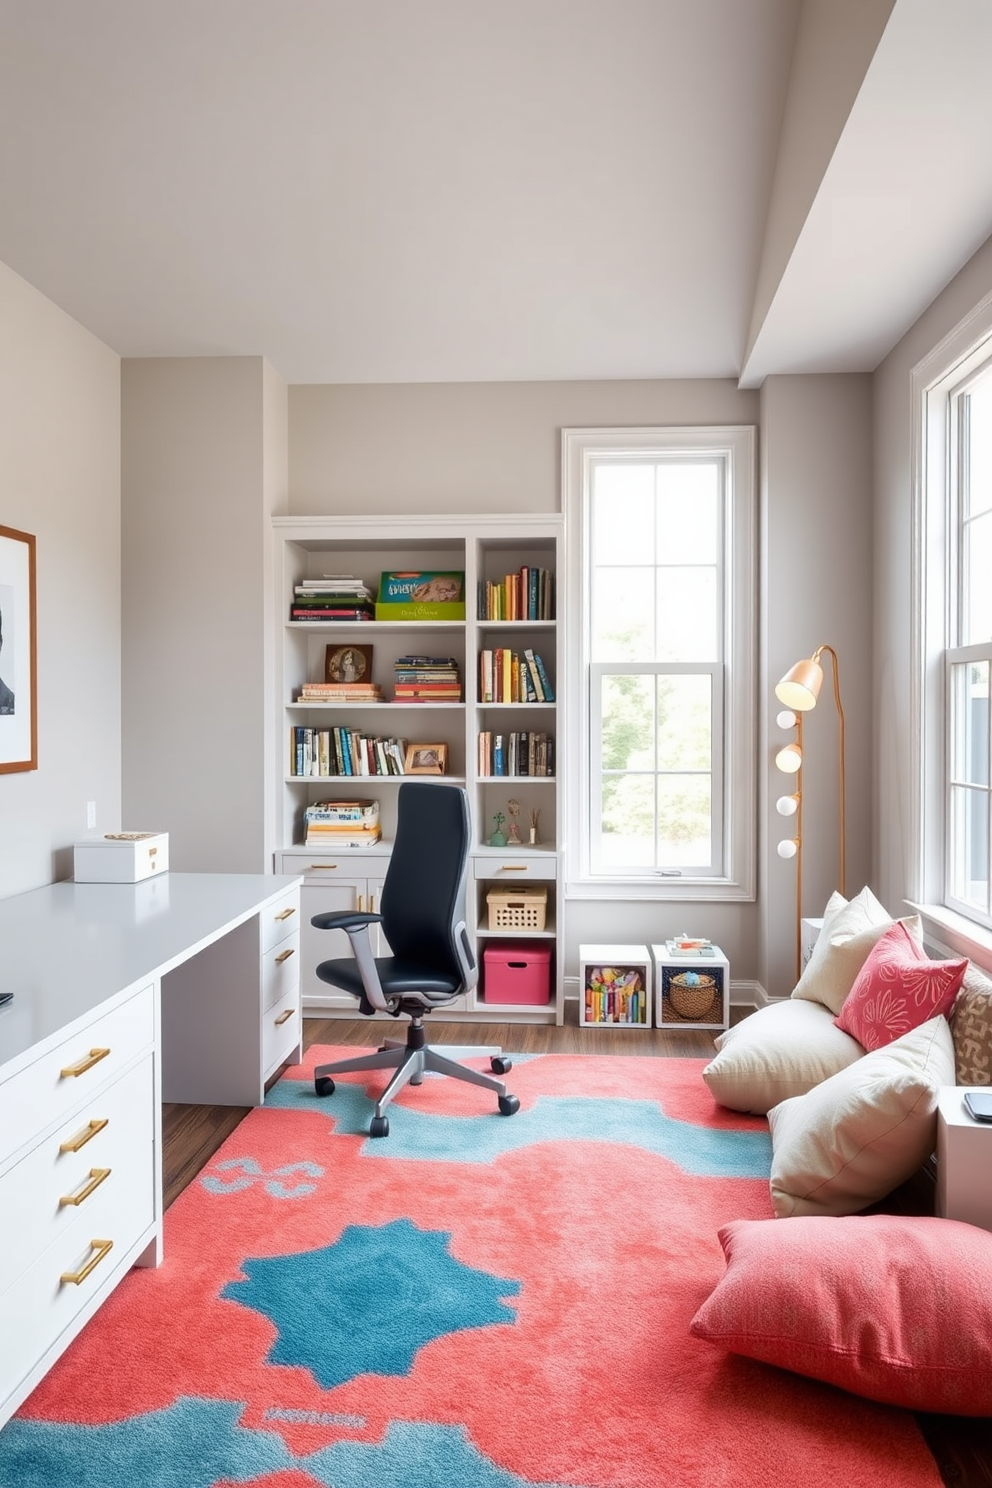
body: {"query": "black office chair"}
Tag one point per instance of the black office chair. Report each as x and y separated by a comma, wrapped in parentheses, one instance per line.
(423, 918)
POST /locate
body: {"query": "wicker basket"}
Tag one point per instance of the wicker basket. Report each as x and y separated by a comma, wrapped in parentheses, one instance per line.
(692, 999)
(517, 909)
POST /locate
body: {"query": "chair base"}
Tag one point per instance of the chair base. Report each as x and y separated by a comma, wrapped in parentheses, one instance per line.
(409, 1061)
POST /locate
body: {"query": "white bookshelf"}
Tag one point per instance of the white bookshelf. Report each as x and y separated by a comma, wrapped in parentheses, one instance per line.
(485, 548)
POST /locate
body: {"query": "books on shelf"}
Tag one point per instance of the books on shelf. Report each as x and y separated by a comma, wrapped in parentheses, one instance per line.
(685, 946)
(427, 679)
(518, 753)
(506, 676)
(342, 824)
(527, 595)
(343, 751)
(421, 595)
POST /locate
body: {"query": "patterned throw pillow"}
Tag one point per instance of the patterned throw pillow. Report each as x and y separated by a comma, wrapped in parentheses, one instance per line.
(897, 989)
(971, 1029)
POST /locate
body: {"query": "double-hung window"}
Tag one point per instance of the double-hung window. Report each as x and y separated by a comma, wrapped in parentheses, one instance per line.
(952, 608)
(969, 656)
(662, 621)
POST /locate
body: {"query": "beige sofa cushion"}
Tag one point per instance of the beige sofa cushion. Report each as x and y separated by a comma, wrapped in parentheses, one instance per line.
(862, 1132)
(850, 932)
(780, 1051)
(971, 1029)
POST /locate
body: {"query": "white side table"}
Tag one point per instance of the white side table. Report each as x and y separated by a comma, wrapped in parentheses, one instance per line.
(964, 1161)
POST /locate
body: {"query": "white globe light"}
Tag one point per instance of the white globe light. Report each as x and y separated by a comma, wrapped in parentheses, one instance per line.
(789, 759)
(786, 719)
(787, 805)
(788, 848)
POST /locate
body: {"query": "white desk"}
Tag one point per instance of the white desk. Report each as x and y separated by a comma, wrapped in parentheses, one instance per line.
(184, 987)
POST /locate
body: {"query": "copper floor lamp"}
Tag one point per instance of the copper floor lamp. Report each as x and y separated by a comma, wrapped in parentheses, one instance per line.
(799, 690)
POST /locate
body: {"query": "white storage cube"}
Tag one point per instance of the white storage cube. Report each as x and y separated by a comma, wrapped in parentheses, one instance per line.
(614, 986)
(691, 990)
(120, 857)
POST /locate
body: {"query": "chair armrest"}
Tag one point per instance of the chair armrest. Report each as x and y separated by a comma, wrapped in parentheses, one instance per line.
(347, 920)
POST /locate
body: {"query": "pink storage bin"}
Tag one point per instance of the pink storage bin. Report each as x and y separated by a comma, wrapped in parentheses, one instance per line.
(515, 972)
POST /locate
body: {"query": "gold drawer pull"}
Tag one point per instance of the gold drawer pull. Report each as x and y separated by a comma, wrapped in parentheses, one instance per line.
(87, 1134)
(152, 852)
(84, 1064)
(97, 1175)
(102, 1248)
(513, 868)
(286, 913)
(283, 1016)
(285, 956)
(323, 867)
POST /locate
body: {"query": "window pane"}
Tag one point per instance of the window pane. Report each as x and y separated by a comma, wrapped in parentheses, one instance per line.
(688, 511)
(685, 726)
(622, 525)
(627, 839)
(627, 737)
(969, 846)
(970, 723)
(687, 615)
(684, 817)
(980, 446)
(977, 571)
(623, 623)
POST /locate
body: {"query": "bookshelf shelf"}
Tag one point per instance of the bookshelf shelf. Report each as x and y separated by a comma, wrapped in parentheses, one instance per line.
(487, 549)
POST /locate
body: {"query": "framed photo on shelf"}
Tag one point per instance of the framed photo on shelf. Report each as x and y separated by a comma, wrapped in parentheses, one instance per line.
(348, 663)
(18, 653)
(426, 759)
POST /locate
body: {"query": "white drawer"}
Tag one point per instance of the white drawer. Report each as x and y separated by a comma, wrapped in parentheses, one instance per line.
(281, 969)
(280, 1032)
(515, 869)
(279, 920)
(70, 1074)
(113, 1138)
(36, 1312)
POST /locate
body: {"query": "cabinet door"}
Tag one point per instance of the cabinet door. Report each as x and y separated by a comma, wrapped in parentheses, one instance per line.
(338, 897)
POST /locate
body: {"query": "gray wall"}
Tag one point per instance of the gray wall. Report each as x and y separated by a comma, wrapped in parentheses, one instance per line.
(203, 467)
(60, 480)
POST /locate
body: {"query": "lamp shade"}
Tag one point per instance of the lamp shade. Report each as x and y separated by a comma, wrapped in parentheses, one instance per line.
(800, 687)
(788, 848)
(789, 759)
(787, 805)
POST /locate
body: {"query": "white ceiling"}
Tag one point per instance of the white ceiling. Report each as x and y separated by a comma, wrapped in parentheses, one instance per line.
(475, 190)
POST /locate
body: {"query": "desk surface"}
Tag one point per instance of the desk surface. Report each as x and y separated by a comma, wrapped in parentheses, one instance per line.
(68, 947)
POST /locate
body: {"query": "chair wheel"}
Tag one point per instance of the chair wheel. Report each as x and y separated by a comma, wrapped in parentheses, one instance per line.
(324, 1085)
(379, 1126)
(500, 1065)
(508, 1104)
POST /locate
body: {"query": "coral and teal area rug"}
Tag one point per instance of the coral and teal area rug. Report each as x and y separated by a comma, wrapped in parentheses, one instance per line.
(473, 1302)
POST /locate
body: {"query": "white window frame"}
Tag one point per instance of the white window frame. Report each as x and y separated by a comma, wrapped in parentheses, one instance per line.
(935, 381)
(736, 789)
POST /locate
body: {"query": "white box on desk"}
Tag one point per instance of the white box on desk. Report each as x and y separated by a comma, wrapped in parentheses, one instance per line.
(120, 857)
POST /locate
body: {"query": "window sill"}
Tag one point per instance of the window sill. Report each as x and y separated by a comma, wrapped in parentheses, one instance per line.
(955, 934)
(699, 890)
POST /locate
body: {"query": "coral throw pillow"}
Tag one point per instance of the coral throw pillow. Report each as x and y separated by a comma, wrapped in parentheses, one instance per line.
(893, 1308)
(897, 989)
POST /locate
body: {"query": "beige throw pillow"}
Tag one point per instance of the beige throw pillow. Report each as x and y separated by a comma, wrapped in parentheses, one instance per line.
(971, 1029)
(856, 1137)
(850, 931)
(780, 1051)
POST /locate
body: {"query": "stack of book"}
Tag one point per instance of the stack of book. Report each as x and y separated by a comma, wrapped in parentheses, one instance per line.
(427, 679)
(332, 597)
(685, 946)
(527, 595)
(340, 692)
(506, 677)
(338, 824)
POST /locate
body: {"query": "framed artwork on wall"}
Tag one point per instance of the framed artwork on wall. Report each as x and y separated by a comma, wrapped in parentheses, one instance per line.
(18, 653)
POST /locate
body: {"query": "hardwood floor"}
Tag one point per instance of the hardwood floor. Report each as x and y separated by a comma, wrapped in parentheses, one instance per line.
(962, 1448)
